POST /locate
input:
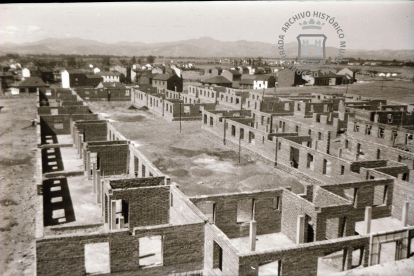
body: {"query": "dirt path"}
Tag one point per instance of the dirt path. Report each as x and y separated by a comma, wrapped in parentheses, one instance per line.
(17, 185)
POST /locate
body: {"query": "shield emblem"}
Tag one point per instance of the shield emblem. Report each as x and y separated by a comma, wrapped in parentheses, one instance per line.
(311, 50)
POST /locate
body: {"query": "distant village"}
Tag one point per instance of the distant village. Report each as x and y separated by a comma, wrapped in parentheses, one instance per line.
(249, 73)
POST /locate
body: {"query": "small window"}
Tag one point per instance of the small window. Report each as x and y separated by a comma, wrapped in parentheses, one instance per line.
(389, 117)
(342, 169)
(245, 210)
(319, 136)
(381, 133)
(150, 251)
(356, 127)
(217, 256)
(97, 258)
(58, 123)
(186, 110)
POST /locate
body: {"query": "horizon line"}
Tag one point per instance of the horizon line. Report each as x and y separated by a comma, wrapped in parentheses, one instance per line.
(149, 43)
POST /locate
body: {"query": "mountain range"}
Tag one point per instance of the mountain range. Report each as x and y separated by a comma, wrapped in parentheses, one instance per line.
(201, 47)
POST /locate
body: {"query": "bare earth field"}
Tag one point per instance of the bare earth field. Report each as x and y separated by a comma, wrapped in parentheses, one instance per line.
(17, 185)
(195, 162)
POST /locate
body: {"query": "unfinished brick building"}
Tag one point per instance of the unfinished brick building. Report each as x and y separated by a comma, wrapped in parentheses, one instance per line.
(104, 208)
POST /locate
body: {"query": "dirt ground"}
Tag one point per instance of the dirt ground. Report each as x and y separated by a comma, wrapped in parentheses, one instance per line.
(195, 162)
(17, 185)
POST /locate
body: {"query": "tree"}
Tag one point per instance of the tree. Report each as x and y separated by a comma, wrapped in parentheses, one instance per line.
(150, 59)
(106, 61)
(71, 62)
(124, 62)
(133, 60)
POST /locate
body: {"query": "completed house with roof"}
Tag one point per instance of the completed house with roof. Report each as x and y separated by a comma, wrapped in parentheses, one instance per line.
(347, 72)
(165, 82)
(111, 76)
(264, 81)
(232, 75)
(329, 79)
(218, 80)
(29, 85)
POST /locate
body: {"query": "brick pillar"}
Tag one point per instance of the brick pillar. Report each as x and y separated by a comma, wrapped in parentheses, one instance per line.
(88, 165)
(121, 223)
(80, 149)
(98, 186)
(78, 141)
(103, 198)
(113, 215)
(75, 138)
(347, 259)
(94, 177)
(405, 214)
(300, 229)
(140, 168)
(367, 221)
(252, 235)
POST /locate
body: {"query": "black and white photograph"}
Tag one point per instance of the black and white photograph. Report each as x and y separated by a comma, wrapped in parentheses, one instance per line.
(251, 138)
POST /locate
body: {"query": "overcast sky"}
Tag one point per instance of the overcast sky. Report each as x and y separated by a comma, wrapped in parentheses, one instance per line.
(367, 25)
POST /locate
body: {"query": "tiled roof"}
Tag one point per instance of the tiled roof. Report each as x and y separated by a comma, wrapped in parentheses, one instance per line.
(113, 85)
(75, 71)
(162, 77)
(247, 81)
(93, 76)
(30, 82)
(329, 75)
(108, 74)
(263, 77)
(217, 79)
(6, 74)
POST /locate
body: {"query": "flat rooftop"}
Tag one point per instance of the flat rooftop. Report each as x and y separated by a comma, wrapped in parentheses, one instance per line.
(70, 202)
(61, 159)
(380, 225)
(199, 164)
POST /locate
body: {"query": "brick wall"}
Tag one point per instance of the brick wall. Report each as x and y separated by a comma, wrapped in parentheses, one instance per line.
(182, 253)
(94, 95)
(55, 124)
(47, 110)
(183, 249)
(93, 130)
(268, 218)
(303, 259)
(403, 191)
(147, 205)
(70, 259)
(365, 196)
(113, 158)
(230, 259)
